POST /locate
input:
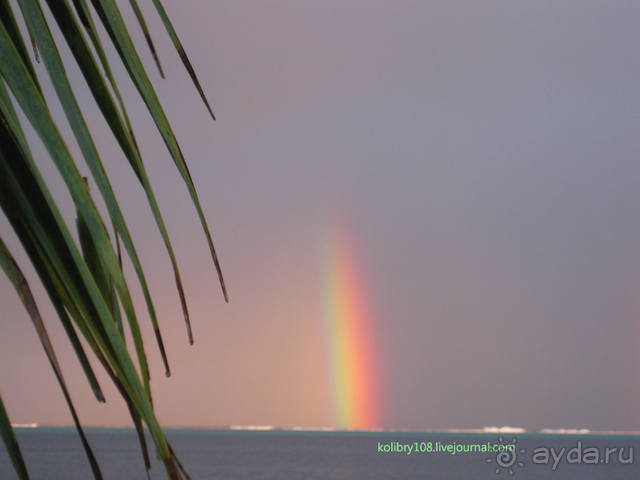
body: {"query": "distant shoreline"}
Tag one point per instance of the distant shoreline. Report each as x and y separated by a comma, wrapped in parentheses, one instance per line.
(330, 430)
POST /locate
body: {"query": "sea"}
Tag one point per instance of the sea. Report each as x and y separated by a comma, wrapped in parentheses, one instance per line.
(250, 454)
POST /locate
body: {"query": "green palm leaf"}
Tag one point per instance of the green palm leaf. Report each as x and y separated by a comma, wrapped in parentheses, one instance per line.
(147, 35)
(84, 281)
(183, 55)
(10, 441)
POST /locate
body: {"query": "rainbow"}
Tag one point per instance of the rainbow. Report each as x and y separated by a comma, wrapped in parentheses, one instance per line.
(352, 351)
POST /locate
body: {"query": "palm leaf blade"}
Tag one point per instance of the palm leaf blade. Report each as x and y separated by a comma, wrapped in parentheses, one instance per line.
(145, 30)
(9, 21)
(183, 55)
(10, 441)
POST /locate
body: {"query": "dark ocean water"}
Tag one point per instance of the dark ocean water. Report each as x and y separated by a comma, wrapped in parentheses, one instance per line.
(56, 454)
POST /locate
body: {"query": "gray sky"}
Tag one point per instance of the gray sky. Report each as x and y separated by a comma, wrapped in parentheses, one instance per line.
(484, 156)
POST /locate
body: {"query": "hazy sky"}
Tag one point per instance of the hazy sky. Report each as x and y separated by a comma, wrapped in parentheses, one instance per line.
(484, 157)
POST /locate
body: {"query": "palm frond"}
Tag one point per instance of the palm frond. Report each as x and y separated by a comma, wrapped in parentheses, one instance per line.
(85, 282)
